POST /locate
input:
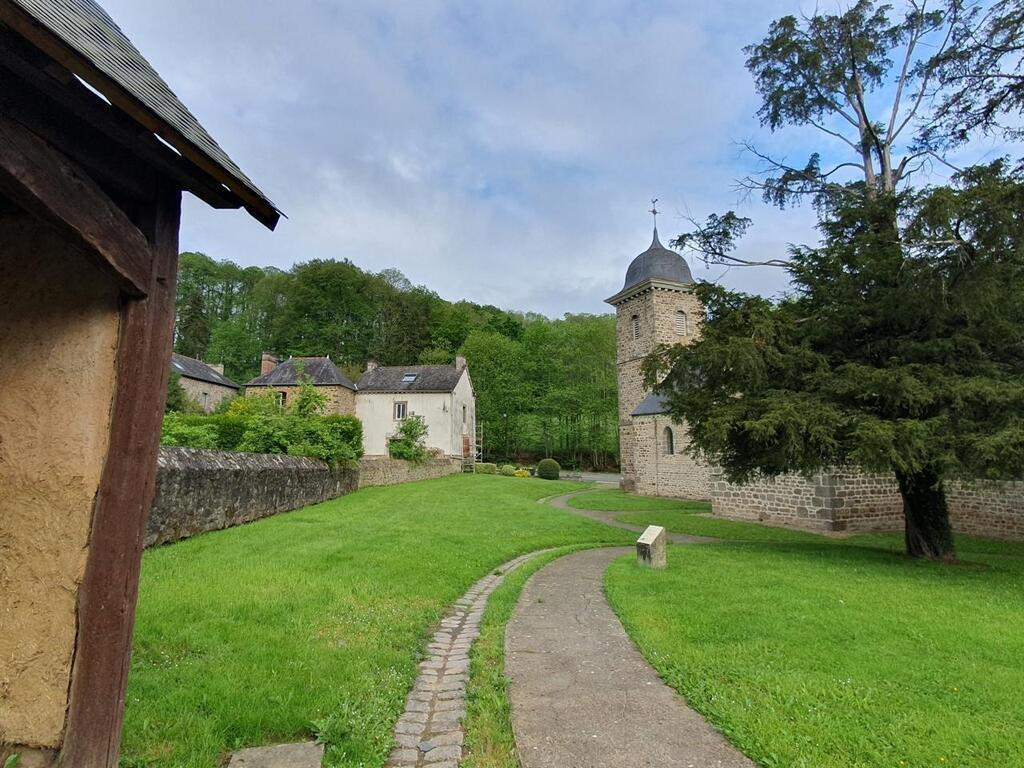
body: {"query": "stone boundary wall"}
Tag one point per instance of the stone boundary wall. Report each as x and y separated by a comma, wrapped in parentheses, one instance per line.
(199, 490)
(845, 500)
(380, 470)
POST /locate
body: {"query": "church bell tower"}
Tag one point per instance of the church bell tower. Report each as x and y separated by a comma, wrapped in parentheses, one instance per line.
(655, 306)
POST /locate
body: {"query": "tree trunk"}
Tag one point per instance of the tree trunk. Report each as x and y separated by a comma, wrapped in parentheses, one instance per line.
(927, 531)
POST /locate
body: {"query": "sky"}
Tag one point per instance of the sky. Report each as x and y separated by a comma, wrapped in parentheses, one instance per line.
(503, 152)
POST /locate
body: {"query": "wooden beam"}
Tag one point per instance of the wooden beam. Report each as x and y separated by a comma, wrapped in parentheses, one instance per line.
(48, 185)
(30, 29)
(69, 96)
(109, 589)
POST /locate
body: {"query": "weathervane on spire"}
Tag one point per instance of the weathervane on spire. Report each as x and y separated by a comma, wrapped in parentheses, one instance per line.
(654, 211)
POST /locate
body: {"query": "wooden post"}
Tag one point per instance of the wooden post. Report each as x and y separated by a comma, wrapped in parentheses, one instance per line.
(106, 602)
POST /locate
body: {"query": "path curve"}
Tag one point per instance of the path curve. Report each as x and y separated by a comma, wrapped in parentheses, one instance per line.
(582, 695)
(608, 518)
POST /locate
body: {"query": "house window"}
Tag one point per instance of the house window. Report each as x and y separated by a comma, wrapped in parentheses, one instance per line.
(636, 327)
(670, 447)
(682, 328)
(282, 399)
(409, 378)
(401, 410)
(463, 415)
(206, 399)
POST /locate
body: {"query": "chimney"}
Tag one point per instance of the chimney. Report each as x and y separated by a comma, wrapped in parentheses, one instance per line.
(218, 367)
(460, 363)
(372, 365)
(267, 363)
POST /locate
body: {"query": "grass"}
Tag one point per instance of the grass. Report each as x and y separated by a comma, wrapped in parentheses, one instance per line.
(312, 622)
(732, 530)
(490, 741)
(620, 501)
(840, 652)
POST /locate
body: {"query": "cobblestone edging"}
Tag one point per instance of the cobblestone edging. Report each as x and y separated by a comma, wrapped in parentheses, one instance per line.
(430, 732)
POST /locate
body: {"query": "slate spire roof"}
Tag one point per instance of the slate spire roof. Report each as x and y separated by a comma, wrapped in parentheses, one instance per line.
(658, 263)
(321, 370)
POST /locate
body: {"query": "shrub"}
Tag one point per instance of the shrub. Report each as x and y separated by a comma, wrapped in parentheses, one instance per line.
(548, 469)
(507, 470)
(176, 430)
(485, 468)
(318, 438)
(522, 473)
(252, 405)
(409, 441)
(330, 439)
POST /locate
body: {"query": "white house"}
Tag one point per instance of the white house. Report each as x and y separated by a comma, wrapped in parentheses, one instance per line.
(441, 394)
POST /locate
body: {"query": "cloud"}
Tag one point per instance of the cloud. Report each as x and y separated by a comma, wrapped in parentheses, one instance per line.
(502, 152)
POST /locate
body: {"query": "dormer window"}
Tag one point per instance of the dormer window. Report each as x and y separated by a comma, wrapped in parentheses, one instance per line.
(409, 378)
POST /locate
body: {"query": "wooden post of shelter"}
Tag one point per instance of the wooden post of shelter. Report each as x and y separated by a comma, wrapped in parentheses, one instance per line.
(90, 200)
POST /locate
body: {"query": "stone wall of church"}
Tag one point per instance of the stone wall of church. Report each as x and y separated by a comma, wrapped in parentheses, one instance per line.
(661, 473)
(847, 500)
(791, 500)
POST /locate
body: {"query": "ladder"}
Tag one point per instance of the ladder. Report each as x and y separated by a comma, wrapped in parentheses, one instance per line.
(471, 454)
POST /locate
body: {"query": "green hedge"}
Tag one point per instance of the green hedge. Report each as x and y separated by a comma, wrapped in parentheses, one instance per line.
(332, 438)
(507, 470)
(485, 468)
(548, 469)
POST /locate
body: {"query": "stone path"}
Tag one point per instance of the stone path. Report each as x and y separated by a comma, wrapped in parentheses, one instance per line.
(429, 732)
(582, 695)
(608, 518)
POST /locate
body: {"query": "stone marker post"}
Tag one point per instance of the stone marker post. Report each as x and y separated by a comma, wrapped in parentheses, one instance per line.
(650, 547)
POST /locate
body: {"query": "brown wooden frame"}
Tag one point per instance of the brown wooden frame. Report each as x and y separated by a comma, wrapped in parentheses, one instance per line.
(141, 253)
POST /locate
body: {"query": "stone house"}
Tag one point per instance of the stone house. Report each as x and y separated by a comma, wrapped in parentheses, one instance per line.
(283, 380)
(95, 153)
(205, 383)
(657, 306)
(442, 394)
(385, 395)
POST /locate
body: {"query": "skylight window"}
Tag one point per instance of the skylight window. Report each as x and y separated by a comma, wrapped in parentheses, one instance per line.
(409, 378)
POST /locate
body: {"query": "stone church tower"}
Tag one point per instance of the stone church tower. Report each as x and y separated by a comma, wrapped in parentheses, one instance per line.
(655, 306)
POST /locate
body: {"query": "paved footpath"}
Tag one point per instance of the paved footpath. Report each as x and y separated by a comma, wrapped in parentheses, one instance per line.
(582, 695)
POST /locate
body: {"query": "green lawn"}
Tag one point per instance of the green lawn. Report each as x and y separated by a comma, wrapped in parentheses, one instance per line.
(734, 530)
(619, 501)
(843, 653)
(311, 623)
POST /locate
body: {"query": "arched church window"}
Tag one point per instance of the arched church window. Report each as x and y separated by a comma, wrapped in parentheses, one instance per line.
(636, 327)
(670, 447)
(682, 326)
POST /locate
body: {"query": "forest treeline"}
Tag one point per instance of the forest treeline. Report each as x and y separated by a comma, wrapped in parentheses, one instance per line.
(544, 387)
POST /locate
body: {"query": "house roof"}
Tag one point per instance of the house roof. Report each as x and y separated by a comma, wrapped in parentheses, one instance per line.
(652, 405)
(428, 378)
(190, 368)
(82, 36)
(320, 370)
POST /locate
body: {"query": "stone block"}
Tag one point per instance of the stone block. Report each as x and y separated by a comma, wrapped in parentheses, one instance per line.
(304, 755)
(650, 547)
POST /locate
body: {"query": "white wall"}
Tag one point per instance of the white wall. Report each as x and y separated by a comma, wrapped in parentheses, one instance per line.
(442, 413)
